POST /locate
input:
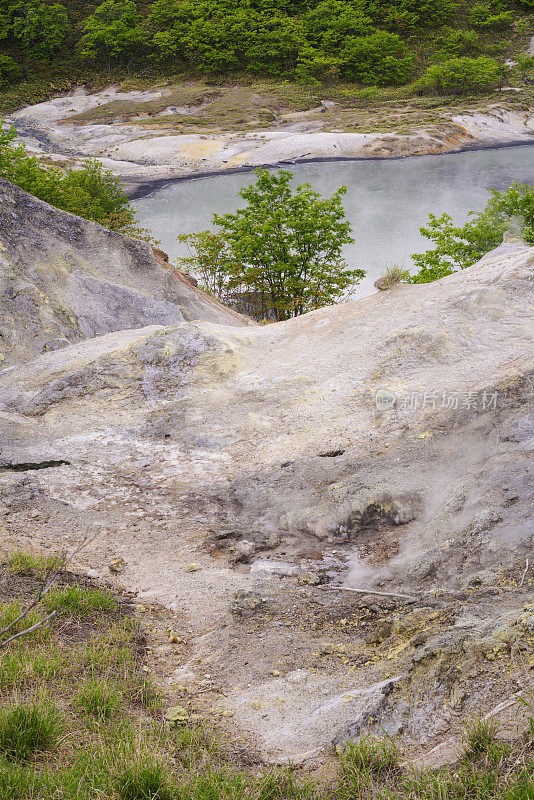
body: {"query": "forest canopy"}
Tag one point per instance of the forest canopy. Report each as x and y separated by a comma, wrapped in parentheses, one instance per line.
(370, 42)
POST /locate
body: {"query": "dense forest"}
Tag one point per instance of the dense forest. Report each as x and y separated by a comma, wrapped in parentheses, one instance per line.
(368, 42)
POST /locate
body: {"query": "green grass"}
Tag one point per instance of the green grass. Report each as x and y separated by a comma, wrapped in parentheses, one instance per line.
(22, 667)
(81, 720)
(378, 757)
(9, 612)
(27, 729)
(393, 276)
(143, 692)
(79, 601)
(147, 780)
(480, 738)
(33, 565)
(99, 699)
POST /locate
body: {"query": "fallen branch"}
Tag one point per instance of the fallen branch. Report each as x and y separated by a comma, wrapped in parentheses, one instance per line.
(37, 625)
(524, 574)
(50, 579)
(407, 597)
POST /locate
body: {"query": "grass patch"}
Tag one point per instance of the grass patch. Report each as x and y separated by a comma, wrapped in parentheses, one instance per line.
(479, 738)
(79, 601)
(22, 667)
(99, 699)
(147, 780)
(29, 729)
(143, 692)
(10, 612)
(379, 758)
(37, 566)
(392, 277)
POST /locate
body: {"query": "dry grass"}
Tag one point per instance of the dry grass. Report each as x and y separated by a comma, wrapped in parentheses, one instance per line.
(265, 105)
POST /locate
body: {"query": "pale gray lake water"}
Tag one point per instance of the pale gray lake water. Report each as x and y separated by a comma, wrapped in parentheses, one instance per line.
(386, 201)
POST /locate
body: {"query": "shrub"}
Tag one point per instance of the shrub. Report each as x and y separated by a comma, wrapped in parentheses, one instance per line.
(9, 70)
(461, 76)
(457, 43)
(26, 730)
(460, 246)
(482, 15)
(376, 60)
(91, 192)
(367, 94)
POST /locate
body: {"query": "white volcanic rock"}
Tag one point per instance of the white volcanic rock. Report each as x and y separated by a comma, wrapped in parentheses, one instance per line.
(131, 150)
(64, 279)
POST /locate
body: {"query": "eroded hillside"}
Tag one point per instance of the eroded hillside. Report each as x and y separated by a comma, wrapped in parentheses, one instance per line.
(244, 474)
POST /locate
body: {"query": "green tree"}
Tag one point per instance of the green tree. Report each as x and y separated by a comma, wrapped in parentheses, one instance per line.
(331, 21)
(407, 15)
(113, 32)
(91, 191)
(284, 247)
(485, 15)
(461, 76)
(217, 37)
(379, 59)
(461, 246)
(40, 27)
(456, 43)
(9, 70)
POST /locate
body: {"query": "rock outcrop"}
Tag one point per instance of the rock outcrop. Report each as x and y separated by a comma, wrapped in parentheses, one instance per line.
(64, 279)
(383, 444)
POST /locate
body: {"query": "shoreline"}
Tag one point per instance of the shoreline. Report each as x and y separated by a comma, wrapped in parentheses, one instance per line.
(137, 188)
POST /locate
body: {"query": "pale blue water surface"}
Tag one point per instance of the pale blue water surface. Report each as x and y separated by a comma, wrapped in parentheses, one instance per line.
(386, 201)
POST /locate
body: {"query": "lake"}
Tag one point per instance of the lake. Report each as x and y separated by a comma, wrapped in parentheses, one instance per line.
(386, 201)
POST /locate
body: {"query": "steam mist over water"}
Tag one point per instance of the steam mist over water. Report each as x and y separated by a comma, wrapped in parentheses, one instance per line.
(386, 201)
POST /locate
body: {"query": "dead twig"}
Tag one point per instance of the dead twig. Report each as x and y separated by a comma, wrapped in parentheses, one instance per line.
(51, 577)
(40, 624)
(524, 574)
(408, 597)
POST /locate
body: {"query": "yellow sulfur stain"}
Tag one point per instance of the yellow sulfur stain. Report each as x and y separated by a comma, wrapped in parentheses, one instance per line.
(200, 149)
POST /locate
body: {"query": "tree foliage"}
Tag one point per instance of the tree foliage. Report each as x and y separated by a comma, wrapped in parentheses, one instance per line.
(284, 248)
(372, 42)
(113, 32)
(91, 192)
(460, 246)
(40, 28)
(462, 76)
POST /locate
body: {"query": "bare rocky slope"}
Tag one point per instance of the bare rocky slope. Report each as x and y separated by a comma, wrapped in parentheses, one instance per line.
(244, 474)
(64, 279)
